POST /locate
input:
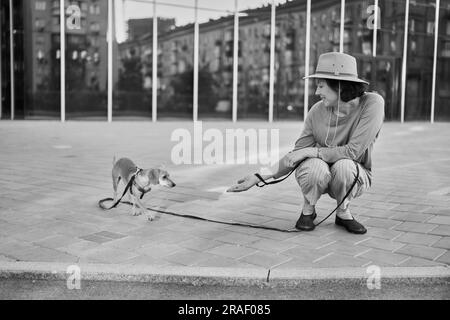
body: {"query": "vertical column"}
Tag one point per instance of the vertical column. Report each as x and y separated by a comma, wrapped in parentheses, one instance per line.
(62, 36)
(436, 33)
(235, 61)
(341, 33)
(196, 48)
(307, 45)
(155, 66)
(272, 61)
(110, 58)
(11, 48)
(375, 30)
(404, 64)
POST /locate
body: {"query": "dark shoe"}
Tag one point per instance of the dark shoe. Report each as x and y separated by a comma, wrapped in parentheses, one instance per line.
(306, 223)
(352, 226)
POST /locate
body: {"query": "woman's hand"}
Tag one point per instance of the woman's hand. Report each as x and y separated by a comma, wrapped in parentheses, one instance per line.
(244, 184)
(294, 157)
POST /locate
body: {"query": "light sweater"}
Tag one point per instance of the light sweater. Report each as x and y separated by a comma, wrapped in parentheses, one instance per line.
(356, 132)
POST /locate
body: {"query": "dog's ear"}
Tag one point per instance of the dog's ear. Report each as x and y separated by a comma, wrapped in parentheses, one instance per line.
(153, 175)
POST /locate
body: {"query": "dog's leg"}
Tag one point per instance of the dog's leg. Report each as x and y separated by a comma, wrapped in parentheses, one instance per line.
(150, 214)
(116, 181)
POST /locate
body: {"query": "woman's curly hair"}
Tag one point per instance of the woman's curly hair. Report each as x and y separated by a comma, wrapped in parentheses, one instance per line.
(349, 89)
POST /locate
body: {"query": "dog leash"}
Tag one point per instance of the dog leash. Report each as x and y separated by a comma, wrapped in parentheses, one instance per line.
(128, 186)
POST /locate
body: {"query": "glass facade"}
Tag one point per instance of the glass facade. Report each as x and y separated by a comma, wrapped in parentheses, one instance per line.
(31, 85)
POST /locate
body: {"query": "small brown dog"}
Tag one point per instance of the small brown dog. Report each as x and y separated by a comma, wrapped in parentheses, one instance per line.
(124, 169)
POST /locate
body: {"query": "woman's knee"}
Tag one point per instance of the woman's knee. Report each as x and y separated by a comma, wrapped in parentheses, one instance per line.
(343, 170)
(313, 171)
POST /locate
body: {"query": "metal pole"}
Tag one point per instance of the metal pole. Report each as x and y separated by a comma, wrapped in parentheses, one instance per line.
(307, 45)
(374, 42)
(62, 49)
(110, 58)
(11, 47)
(341, 34)
(404, 64)
(436, 34)
(155, 66)
(272, 61)
(196, 48)
(235, 61)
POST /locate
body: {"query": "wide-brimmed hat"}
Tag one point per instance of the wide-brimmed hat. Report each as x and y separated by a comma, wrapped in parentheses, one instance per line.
(337, 66)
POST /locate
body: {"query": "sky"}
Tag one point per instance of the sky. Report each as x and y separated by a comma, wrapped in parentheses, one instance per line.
(129, 9)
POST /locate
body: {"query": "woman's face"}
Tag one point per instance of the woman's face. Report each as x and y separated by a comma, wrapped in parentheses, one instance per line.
(328, 95)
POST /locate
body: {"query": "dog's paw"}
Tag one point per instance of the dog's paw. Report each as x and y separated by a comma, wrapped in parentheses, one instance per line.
(150, 216)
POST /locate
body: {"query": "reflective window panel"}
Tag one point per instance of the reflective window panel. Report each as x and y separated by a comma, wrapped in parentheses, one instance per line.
(176, 59)
(442, 106)
(419, 71)
(290, 61)
(254, 38)
(86, 59)
(133, 59)
(215, 87)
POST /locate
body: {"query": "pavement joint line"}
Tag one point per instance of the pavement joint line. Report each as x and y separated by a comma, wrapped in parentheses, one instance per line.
(361, 241)
(397, 236)
(361, 253)
(440, 255)
(212, 275)
(323, 257)
(326, 245)
(404, 260)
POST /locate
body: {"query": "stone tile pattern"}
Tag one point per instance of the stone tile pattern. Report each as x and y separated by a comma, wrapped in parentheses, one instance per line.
(50, 184)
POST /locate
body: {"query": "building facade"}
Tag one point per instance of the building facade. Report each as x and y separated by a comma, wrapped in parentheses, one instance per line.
(378, 44)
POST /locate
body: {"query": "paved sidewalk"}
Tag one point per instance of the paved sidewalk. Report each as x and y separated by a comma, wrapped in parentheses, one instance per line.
(53, 174)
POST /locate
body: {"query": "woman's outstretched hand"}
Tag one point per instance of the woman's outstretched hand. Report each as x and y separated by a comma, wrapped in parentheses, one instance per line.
(244, 184)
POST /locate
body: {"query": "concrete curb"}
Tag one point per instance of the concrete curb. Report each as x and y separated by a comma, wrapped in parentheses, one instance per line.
(219, 276)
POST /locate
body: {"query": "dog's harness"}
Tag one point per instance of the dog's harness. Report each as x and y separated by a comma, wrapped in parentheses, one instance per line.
(264, 183)
(129, 186)
(137, 186)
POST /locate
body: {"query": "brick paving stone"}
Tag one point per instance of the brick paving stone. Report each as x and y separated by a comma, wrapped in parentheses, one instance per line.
(418, 238)
(340, 260)
(382, 244)
(412, 217)
(232, 251)
(200, 244)
(381, 223)
(265, 260)
(188, 257)
(311, 241)
(412, 208)
(79, 247)
(415, 227)
(445, 258)
(387, 234)
(419, 262)
(130, 242)
(419, 251)
(440, 220)
(146, 260)
(344, 247)
(383, 258)
(269, 245)
(45, 255)
(442, 230)
(222, 262)
(158, 250)
(237, 238)
(57, 241)
(95, 238)
(108, 255)
(443, 243)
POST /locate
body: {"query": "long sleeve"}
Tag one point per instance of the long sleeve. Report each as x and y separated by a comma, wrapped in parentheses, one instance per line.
(306, 140)
(363, 136)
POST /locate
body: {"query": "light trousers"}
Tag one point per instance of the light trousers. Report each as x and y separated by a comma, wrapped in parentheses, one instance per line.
(316, 177)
